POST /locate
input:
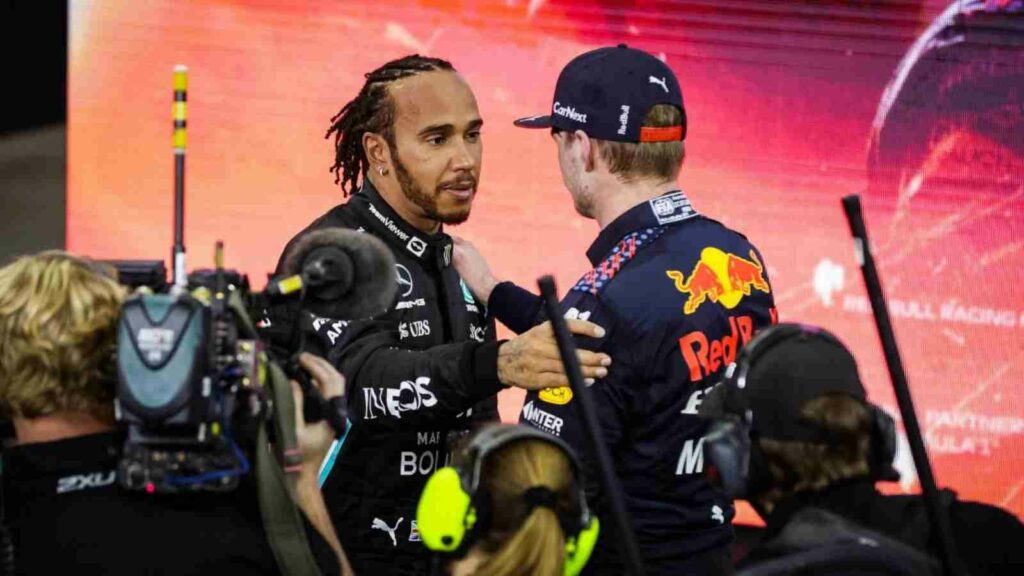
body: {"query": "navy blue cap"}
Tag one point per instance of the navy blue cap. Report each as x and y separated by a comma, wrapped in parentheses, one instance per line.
(607, 93)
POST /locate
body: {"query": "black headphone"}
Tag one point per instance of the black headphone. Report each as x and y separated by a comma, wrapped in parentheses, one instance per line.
(454, 510)
(736, 461)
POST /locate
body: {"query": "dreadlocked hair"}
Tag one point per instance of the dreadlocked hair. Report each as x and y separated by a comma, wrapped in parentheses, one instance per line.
(372, 110)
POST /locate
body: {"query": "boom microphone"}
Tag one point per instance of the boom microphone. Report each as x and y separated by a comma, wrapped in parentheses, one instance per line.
(345, 274)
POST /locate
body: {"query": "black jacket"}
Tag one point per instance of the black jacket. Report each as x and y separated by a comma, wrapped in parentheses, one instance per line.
(989, 540)
(67, 515)
(678, 295)
(423, 371)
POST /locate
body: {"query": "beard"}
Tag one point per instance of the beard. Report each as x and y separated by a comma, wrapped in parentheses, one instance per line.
(426, 201)
(582, 199)
(584, 205)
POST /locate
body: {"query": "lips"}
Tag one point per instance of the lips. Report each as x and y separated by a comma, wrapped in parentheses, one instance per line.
(462, 189)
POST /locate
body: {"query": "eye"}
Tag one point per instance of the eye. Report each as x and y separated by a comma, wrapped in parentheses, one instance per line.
(473, 135)
(436, 140)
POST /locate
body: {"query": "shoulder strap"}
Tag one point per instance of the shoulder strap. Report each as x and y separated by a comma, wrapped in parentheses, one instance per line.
(281, 518)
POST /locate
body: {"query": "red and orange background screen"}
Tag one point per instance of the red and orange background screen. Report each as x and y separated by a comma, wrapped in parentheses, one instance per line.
(791, 105)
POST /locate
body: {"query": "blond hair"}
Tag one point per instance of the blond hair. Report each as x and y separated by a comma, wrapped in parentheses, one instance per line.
(522, 541)
(632, 161)
(58, 320)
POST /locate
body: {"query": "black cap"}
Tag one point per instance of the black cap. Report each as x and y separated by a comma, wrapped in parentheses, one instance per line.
(782, 379)
(607, 93)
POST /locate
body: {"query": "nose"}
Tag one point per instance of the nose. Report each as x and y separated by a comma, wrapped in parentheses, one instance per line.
(463, 157)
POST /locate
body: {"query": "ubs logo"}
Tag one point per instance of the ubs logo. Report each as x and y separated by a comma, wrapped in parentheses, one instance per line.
(404, 278)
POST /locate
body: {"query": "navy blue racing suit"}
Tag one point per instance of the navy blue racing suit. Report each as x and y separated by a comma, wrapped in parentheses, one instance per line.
(678, 295)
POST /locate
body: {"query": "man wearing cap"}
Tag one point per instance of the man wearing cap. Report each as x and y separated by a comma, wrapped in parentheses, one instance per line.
(677, 292)
(795, 435)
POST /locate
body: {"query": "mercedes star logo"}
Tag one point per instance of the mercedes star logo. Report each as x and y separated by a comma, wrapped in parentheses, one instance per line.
(404, 278)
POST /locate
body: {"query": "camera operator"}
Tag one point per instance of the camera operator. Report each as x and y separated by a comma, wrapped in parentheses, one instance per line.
(794, 408)
(64, 508)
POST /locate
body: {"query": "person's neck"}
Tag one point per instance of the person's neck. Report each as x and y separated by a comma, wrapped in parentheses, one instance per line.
(391, 191)
(617, 197)
(60, 426)
(468, 566)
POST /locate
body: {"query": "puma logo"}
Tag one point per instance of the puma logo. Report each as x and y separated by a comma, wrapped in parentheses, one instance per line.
(718, 514)
(379, 524)
(663, 82)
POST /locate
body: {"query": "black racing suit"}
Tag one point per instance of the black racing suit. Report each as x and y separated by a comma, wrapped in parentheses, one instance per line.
(423, 371)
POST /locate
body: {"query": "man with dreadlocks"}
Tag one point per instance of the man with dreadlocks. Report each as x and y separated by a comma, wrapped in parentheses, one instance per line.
(408, 150)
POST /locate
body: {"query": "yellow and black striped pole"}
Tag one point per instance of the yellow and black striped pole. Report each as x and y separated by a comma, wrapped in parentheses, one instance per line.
(179, 110)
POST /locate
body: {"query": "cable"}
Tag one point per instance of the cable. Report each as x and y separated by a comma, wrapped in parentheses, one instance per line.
(242, 470)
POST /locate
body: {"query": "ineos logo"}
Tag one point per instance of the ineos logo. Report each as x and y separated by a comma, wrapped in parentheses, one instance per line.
(409, 396)
(404, 278)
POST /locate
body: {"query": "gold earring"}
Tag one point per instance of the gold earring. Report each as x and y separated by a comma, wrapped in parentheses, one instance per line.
(382, 170)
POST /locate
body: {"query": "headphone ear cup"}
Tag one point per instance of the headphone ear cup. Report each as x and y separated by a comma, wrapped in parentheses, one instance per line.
(445, 514)
(579, 548)
(883, 446)
(727, 450)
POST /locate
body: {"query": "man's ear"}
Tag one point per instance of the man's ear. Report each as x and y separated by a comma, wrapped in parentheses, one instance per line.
(588, 149)
(378, 152)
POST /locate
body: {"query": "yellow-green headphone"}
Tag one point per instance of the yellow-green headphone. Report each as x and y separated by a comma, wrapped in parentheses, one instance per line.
(453, 511)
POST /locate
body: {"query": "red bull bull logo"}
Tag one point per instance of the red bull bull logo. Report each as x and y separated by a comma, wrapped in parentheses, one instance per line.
(720, 277)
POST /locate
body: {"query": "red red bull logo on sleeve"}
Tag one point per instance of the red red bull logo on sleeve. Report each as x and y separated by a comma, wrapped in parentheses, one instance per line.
(720, 277)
